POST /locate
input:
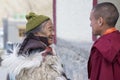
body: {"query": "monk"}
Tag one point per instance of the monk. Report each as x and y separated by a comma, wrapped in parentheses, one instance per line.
(104, 60)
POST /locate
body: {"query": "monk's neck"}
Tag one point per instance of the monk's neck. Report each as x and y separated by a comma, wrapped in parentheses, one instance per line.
(109, 30)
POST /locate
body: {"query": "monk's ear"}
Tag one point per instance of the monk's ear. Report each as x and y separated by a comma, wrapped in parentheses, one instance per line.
(100, 21)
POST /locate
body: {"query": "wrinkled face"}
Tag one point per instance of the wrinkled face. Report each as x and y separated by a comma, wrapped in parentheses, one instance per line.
(94, 23)
(48, 31)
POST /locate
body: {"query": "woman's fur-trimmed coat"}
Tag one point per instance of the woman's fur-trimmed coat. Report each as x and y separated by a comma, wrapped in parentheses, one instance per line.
(33, 67)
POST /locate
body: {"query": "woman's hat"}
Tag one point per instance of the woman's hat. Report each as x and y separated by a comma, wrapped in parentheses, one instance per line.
(34, 21)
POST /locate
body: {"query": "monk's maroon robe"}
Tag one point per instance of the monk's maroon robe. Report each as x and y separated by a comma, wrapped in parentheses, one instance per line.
(104, 60)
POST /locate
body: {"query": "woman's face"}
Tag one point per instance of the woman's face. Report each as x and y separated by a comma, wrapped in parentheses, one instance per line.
(48, 31)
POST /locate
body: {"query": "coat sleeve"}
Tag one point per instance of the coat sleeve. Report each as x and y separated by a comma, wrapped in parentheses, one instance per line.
(94, 64)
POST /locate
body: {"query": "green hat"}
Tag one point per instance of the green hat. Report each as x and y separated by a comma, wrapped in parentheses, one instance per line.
(34, 21)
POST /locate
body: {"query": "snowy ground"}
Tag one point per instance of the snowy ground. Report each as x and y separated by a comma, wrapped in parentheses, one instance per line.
(74, 57)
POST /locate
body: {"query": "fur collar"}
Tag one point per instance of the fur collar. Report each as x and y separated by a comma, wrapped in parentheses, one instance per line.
(15, 63)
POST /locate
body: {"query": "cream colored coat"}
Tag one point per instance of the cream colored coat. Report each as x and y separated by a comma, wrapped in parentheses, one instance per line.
(33, 67)
(50, 69)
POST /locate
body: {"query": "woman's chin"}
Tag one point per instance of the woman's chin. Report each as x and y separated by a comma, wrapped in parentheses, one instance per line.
(50, 41)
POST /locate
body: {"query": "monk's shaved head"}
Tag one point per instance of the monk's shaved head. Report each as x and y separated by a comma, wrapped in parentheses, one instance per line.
(107, 11)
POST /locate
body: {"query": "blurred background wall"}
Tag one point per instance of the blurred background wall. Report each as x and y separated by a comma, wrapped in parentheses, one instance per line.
(14, 8)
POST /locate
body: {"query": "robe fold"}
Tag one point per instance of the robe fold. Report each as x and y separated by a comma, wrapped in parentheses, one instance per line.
(104, 60)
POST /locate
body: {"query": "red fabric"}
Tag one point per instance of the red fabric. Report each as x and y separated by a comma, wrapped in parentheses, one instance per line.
(48, 50)
(104, 60)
